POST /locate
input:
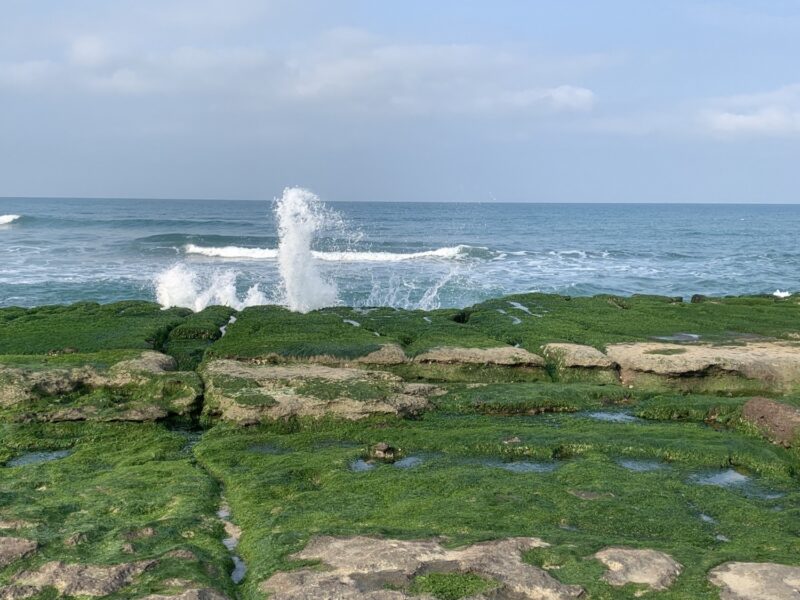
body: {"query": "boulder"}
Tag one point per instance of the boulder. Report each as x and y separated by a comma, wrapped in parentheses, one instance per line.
(756, 581)
(643, 566)
(14, 548)
(364, 567)
(777, 421)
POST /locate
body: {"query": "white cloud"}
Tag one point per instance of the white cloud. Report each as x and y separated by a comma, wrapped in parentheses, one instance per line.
(88, 51)
(774, 113)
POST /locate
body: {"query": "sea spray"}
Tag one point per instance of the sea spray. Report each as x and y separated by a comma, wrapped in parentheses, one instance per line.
(181, 286)
(301, 216)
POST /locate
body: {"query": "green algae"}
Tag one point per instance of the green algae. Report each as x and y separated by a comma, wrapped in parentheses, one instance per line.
(451, 586)
(125, 493)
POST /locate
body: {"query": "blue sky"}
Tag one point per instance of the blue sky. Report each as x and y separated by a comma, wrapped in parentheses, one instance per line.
(425, 101)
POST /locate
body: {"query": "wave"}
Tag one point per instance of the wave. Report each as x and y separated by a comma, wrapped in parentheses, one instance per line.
(7, 219)
(449, 252)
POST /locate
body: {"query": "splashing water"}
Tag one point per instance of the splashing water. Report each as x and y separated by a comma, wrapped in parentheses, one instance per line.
(180, 286)
(301, 216)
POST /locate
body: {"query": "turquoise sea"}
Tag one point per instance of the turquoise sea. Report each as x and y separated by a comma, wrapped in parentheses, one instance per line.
(401, 254)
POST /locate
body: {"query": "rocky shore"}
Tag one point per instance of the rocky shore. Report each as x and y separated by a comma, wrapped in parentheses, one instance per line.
(535, 446)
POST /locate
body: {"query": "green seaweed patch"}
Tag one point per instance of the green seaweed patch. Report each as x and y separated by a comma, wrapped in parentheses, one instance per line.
(363, 391)
(87, 327)
(452, 586)
(263, 331)
(188, 341)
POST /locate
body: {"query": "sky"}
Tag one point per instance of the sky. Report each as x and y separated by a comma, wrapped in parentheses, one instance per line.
(453, 100)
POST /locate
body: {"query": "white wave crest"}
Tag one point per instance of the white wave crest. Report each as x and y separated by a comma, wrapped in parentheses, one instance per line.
(7, 219)
(232, 252)
(180, 286)
(780, 294)
(450, 252)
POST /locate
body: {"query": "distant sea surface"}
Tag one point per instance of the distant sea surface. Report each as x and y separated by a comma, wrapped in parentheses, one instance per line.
(409, 255)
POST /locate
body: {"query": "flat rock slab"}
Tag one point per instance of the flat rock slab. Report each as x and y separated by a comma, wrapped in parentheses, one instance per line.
(364, 567)
(777, 421)
(192, 594)
(82, 580)
(776, 363)
(506, 356)
(756, 581)
(643, 566)
(14, 548)
(577, 356)
(249, 393)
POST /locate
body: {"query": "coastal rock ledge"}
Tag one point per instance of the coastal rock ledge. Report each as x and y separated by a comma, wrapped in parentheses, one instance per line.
(361, 568)
(756, 581)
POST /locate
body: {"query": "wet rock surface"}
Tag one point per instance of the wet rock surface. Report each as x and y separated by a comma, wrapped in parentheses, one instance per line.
(756, 581)
(642, 566)
(363, 567)
(777, 421)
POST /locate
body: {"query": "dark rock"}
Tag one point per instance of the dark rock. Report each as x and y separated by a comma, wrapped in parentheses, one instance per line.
(778, 422)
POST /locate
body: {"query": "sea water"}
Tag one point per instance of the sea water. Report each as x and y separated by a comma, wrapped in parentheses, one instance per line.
(302, 252)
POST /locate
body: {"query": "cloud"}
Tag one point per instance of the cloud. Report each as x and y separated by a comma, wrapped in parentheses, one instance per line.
(364, 73)
(774, 113)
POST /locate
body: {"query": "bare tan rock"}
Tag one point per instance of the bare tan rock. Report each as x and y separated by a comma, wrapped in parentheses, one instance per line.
(17, 592)
(507, 356)
(756, 581)
(191, 594)
(83, 580)
(15, 524)
(774, 363)
(362, 568)
(777, 421)
(577, 356)
(632, 565)
(306, 390)
(389, 354)
(14, 548)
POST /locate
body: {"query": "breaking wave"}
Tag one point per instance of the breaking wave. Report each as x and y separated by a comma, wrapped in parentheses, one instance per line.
(238, 252)
(181, 286)
(8, 219)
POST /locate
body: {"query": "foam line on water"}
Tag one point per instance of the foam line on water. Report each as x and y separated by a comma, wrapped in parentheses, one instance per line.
(8, 219)
(239, 252)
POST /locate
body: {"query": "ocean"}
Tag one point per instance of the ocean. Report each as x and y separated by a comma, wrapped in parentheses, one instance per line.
(408, 255)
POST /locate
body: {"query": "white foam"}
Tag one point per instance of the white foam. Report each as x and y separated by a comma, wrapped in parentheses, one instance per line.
(232, 252)
(300, 216)
(181, 286)
(238, 252)
(7, 219)
(780, 294)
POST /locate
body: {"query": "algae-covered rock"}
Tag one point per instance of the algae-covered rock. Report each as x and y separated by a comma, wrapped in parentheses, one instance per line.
(249, 393)
(768, 364)
(777, 421)
(14, 548)
(107, 386)
(191, 594)
(577, 356)
(507, 356)
(82, 580)
(383, 569)
(644, 566)
(756, 581)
